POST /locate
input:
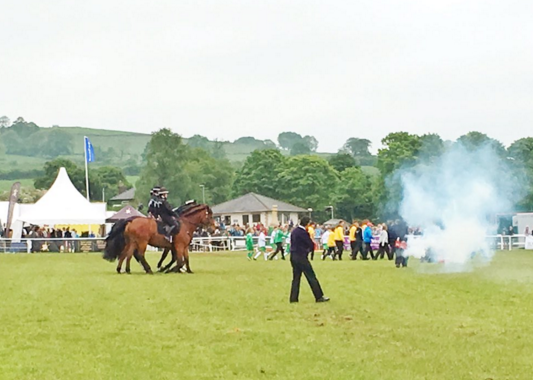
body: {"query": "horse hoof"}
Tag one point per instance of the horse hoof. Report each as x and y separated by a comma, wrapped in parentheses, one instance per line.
(118, 271)
(128, 272)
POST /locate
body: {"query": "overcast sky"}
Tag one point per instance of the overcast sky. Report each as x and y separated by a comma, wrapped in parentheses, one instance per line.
(227, 68)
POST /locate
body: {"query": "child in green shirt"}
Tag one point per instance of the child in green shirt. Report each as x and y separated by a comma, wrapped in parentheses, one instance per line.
(250, 243)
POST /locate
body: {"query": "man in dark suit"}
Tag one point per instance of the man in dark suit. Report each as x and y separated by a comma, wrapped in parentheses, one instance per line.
(301, 245)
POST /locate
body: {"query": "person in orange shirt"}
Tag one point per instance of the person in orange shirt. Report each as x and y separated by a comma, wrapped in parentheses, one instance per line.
(339, 240)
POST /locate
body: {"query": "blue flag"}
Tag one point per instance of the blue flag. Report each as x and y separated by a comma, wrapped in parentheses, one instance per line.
(89, 150)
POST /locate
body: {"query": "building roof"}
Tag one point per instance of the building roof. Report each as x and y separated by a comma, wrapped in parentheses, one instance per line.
(128, 195)
(125, 213)
(253, 203)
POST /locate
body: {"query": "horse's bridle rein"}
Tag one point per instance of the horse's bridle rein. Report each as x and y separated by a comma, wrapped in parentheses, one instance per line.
(196, 224)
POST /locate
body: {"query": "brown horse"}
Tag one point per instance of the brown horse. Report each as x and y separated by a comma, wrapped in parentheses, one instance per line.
(130, 238)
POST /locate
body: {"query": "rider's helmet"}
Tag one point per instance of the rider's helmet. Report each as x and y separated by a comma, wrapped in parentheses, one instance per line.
(155, 191)
(163, 192)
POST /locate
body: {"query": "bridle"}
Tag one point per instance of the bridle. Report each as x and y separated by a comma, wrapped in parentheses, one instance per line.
(201, 224)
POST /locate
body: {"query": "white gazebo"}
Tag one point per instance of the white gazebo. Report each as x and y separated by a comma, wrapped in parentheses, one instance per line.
(63, 204)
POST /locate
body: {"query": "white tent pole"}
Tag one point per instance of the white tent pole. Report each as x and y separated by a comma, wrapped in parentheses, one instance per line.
(86, 167)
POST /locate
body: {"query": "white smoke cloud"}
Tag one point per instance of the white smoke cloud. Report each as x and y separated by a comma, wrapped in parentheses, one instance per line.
(452, 200)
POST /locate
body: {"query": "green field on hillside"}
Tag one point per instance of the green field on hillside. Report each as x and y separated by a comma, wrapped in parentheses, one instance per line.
(70, 316)
(129, 143)
(132, 179)
(5, 184)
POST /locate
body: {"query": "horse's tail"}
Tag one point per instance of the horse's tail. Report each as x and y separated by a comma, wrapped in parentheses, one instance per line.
(116, 241)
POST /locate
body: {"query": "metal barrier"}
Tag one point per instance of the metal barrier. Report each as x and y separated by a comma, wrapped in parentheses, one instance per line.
(198, 244)
(30, 245)
(97, 244)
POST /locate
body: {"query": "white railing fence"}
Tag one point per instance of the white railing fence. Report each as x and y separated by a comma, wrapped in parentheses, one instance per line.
(199, 244)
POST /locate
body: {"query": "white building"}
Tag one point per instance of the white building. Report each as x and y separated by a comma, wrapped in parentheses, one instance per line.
(254, 208)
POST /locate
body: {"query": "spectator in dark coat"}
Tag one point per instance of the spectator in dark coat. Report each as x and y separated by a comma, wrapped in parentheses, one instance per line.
(301, 245)
(393, 236)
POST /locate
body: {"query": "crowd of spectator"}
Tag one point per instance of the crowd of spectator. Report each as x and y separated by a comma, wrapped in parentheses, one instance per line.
(362, 238)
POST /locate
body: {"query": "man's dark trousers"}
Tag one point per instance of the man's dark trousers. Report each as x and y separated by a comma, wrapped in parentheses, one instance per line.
(367, 250)
(340, 249)
(356, 246)
(279, 248)
(300, 264)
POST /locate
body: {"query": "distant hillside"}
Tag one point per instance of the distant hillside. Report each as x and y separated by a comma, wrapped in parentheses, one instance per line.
(25, 147)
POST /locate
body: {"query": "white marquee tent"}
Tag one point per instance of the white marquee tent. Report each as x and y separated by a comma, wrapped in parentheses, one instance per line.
(63, 204)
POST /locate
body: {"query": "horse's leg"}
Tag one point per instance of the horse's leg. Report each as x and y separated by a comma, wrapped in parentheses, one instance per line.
(128, 261)
(141, 249)
(184, 260)
(120, 261)
(128, 254)
(163, 257)
(123, 256)
(178, 252)
(187, 260)
(166, 269)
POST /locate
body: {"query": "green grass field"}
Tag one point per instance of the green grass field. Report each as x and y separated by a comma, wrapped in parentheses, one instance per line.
(70, 316)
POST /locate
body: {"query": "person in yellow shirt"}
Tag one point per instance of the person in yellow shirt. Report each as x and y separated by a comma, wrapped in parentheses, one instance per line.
(311, 231)
(339, 240)
(352, 236)
(331, 243)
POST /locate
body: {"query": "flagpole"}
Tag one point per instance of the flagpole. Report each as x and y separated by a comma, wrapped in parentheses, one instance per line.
(86, 167)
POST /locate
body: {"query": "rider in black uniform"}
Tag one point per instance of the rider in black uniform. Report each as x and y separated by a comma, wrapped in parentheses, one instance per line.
(167, 214)
(154, 203)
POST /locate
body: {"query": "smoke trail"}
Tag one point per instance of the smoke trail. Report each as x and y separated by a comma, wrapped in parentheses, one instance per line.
(452, 200)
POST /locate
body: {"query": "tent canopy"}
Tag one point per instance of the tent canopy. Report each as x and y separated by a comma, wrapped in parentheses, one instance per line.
(125, 213)
(63, 204)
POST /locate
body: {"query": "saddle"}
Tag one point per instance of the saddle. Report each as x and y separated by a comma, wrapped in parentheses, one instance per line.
(165, 229)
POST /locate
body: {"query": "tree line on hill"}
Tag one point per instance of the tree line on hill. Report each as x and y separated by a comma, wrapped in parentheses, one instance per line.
(288, 170)
(28, 139)
(21, 138)
(24, 138)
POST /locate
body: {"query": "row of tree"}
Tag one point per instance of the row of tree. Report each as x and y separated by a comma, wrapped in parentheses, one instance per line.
(292, 143)
(402, 151)
(105, 181)
(27, 139)
(182, 169)
(108, 180)
(308, 181)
